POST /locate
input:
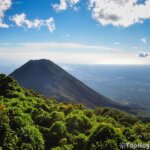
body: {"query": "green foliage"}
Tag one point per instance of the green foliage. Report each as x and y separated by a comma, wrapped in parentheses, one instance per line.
(120, 116)
(105, 136)
(64, 147)
(57, 133)
(29, 121)
(130, 134)
(78, 122)
(80, 141)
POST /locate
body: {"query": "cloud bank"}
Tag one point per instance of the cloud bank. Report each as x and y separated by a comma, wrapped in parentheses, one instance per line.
(21, 21)
(71, 53)
(119, 12)
(59, 45)
(122, 13)
(4, 5)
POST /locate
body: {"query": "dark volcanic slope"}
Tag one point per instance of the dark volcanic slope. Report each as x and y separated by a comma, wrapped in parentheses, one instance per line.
(52, 81)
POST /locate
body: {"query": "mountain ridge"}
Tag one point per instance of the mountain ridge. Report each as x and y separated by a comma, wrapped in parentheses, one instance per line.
(52, 81)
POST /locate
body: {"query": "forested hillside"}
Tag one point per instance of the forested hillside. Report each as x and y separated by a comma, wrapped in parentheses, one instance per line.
(29, 121)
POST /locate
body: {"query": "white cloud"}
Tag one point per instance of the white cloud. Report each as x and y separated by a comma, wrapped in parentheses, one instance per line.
(22, 21)
(59, 45)
(119, 12)
(136, 47)
(64, 4)
(143, 54)
(71, 53)
(144, 40)
(4, 5)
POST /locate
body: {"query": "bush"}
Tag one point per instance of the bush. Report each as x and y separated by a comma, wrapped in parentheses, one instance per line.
(78, 123)
(104, 132)
(57, 132)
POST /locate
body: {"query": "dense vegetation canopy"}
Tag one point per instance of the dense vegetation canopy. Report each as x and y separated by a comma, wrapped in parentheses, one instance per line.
(29, 121)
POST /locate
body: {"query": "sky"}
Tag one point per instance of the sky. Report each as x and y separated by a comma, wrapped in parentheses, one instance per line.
(75, 31)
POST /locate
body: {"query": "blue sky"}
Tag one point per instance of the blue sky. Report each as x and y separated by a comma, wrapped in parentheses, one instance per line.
(75, 31)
